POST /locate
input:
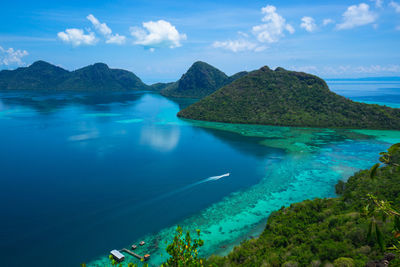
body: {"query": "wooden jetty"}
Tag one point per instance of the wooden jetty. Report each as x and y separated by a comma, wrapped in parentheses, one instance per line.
(132, 253)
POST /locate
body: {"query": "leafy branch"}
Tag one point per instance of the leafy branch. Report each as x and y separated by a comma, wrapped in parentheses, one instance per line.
(184, 250)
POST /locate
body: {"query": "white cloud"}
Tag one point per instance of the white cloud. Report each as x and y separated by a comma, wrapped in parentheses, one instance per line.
(396, 6)
(77, 37)
(356, 15)
(239, 46)
(106, 31)
(308, 23)
(271, 31)
(378, 3)
(116, 39)
(157, 33)
(274, 28)
(10, 56)
(101, 27)
(327, 22)
(289, 28)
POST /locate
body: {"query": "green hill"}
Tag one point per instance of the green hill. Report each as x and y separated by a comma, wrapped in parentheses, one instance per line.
(236, 76)
(288, 98)
(45, 76)
(320, 232)
(160, 86)
(199, 81)
(38, 76)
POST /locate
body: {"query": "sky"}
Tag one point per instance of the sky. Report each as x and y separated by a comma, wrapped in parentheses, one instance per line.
(159, 40)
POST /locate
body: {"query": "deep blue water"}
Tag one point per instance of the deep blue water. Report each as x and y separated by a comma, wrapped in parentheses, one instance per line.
(76, 177)
(83, 174)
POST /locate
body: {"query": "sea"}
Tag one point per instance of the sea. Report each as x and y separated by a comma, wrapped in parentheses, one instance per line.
(82, 174)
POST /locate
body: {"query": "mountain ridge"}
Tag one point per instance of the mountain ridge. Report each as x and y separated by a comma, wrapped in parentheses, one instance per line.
(42, 75)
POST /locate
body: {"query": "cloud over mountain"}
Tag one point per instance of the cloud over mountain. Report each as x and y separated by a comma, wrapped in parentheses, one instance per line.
(159, 33)
(106, 31)
(274, 27)
(239, 45)
(77, 37)
(11, 56)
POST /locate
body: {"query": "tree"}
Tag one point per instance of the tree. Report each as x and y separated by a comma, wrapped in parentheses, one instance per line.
(380, 208)
(386, 211)
(389, 157)
(184, 250)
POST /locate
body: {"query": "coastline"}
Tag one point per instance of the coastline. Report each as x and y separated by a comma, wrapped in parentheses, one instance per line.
(243, 214)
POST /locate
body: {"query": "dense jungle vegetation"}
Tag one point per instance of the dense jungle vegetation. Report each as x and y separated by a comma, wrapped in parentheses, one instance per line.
(288, 98)
(358, 227)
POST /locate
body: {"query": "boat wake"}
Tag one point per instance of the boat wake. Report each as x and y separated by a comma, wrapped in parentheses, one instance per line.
(209, 179)
(214, 178)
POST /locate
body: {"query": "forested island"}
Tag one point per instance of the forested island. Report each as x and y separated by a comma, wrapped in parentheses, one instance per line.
(288, 98)
(199, 81)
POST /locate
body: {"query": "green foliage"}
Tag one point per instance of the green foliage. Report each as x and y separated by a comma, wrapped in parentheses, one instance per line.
(339, 187)
(44, 76)
(392, 156)
(184, 250)
(199, 81)
(288, 98)
(385, 210)
(113, 262)
(374, 170)
(290, 264)
(338, 230)
(344, 262)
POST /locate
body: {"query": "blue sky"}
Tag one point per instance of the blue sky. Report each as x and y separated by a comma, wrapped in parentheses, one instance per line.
(159, 40)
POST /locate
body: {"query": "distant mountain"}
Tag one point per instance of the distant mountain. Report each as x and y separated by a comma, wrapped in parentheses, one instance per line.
(160, 86)
(236, 76)
(39, 75)
(45, 76)
(288, 98)
(199, 81)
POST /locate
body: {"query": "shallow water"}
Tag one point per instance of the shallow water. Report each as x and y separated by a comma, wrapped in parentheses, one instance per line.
(81, 175)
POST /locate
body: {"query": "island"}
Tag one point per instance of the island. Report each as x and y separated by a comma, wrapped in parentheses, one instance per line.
(199, 81)
(288, 98)
(42, 75)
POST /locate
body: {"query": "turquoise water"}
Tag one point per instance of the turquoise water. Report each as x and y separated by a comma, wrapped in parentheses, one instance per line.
(82, 175)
